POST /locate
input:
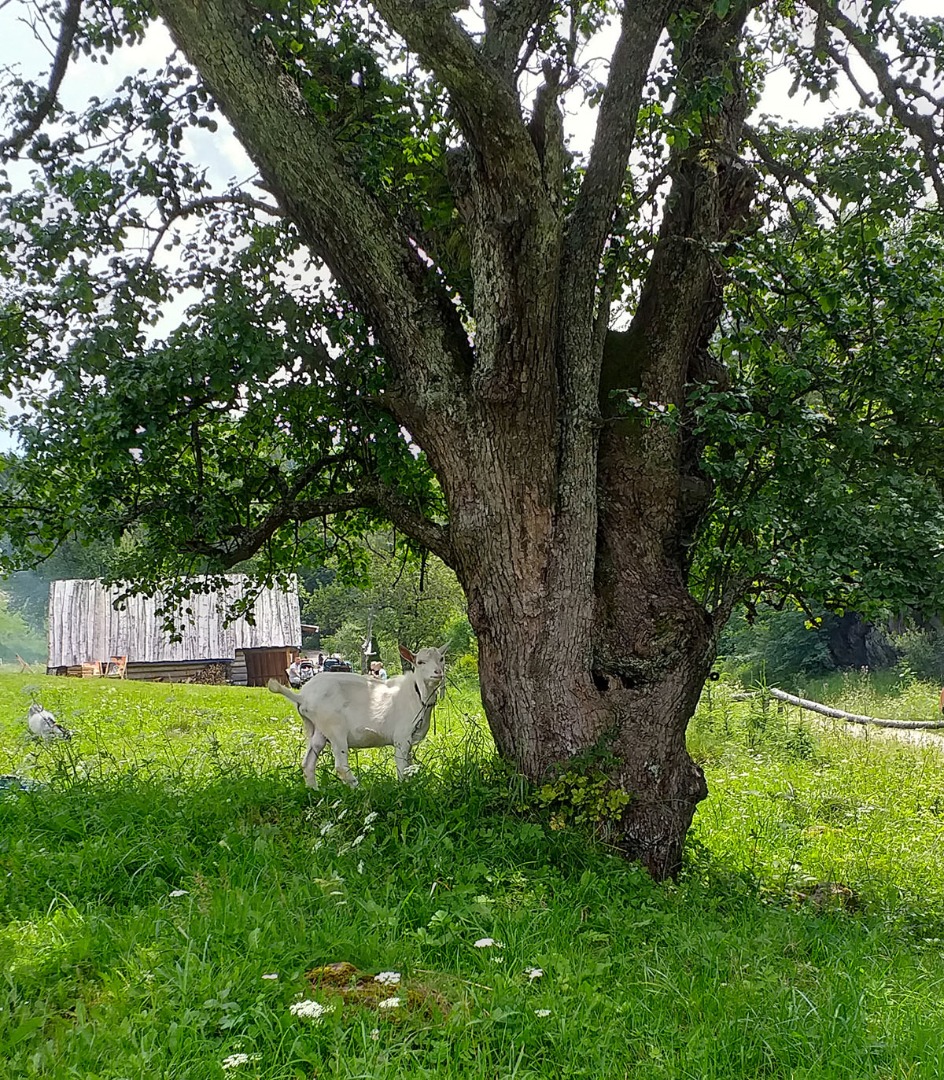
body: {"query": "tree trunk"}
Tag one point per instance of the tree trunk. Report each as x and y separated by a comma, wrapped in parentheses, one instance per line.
(569, 517)
(574, 661)
(546, 707)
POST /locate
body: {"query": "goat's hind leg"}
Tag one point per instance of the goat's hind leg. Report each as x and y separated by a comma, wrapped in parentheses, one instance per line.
(316, 743)
(341, 766)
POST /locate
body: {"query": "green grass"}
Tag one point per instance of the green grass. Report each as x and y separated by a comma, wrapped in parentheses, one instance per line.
(741, 969)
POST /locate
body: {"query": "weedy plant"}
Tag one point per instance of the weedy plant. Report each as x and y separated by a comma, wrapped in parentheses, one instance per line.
(584, 796)
(176, 903)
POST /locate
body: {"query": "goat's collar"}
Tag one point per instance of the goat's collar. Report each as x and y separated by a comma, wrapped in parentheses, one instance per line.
(424, 701)
(426, 707)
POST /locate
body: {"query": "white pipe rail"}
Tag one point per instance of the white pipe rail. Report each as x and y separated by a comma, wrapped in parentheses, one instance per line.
(853, 718)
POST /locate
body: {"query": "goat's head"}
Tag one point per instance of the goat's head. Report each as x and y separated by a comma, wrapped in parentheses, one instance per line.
(429, 664)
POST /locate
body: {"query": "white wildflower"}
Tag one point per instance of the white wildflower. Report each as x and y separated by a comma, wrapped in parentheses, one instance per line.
(542, 1012)
(388, 978)
(327, 827)
(235, 1060)
(359, 839)
(271, 975)
(360, 867)
(375, 1034)
(533, 973)
(371, 818)
(178, 892)
(389, 1003)
(488, 943)
(310, 1010)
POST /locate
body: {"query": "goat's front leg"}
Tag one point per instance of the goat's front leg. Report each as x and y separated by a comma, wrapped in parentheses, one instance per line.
(401, 754)
(316, 743)
(340, 764)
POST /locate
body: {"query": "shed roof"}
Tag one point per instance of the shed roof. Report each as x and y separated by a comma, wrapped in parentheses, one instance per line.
(85, 624)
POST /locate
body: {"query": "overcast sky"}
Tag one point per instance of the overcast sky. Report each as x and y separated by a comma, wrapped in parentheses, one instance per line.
(27, 53)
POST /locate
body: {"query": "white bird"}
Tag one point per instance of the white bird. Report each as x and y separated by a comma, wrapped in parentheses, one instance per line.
(44, 725)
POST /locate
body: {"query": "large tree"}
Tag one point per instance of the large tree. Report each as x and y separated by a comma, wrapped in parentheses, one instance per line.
(408, 317)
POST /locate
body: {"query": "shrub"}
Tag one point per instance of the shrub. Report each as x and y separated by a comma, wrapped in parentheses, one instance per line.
(772, 647)
(922, 654)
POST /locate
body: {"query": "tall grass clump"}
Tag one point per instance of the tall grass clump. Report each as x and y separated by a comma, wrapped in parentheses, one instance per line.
(175, 903)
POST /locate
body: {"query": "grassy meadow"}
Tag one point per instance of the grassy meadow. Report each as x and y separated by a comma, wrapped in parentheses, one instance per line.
(175, 903)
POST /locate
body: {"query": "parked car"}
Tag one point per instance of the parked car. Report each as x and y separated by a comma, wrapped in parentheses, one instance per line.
(332, 663)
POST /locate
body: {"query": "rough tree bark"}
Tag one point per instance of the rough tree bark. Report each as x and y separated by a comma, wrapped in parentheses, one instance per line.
(570, 514)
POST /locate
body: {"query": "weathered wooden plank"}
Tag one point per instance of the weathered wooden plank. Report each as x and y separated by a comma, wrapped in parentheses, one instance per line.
(265, 664)
(87, 621)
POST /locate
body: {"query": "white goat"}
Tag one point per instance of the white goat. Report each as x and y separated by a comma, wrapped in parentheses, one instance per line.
(352, 712)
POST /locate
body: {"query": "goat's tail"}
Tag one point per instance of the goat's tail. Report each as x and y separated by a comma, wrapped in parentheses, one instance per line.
(277, 688)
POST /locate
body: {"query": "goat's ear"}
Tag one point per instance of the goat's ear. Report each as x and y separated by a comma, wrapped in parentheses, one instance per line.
(406, 654)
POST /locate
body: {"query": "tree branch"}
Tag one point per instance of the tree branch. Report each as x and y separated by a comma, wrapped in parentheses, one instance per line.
(69, 24)
(726, 599)
(681, 297)
(337, 216)
(415, 524)
(853, 718)
(204, 203)
(241, 541)
(783, 172)
(640, 28)
(711, 194)
(608, 283)
(920, 125)
(486, 105)
(245, 542)
(507, 24)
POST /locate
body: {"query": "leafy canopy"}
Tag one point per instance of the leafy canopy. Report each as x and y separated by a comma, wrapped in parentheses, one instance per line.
(194, 380)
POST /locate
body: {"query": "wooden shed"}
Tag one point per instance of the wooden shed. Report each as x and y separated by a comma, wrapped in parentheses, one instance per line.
(89, 624)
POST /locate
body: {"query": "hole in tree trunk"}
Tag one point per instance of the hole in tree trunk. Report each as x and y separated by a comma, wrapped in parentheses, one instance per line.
(600, 680)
